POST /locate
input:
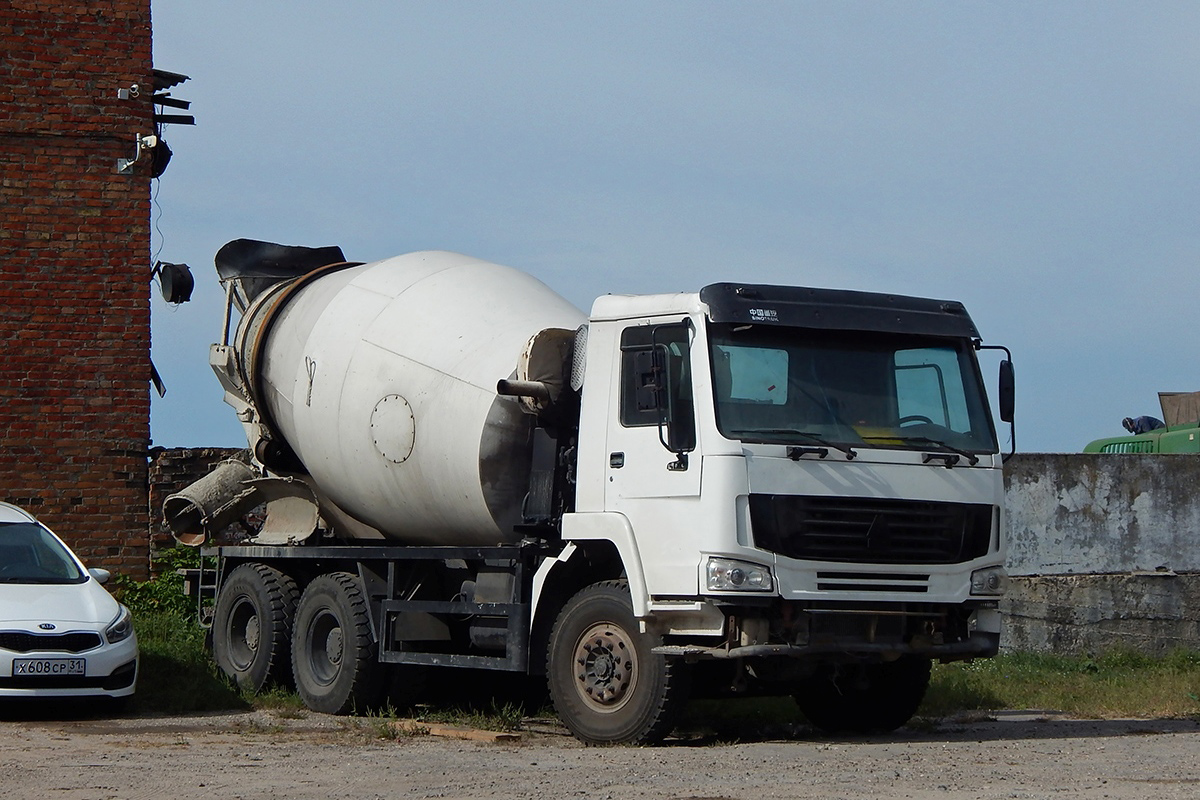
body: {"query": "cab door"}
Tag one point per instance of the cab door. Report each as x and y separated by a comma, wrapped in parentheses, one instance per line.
(653, 477)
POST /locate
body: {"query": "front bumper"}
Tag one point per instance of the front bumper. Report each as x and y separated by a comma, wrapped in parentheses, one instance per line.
(110, 671)
(946, 632)
(980, 645)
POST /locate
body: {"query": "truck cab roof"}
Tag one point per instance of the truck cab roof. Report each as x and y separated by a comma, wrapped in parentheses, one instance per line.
(798, 306)
(629, 306)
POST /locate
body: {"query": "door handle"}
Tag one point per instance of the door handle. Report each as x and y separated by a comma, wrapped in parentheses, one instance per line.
(616, 460)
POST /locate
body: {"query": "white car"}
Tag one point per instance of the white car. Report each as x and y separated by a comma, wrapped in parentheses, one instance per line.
(61, 633)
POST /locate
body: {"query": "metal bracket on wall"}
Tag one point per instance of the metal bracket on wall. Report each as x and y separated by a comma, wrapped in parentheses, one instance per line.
(144, 144)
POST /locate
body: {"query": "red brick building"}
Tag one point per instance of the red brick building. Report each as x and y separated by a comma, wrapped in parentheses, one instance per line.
(75, 272)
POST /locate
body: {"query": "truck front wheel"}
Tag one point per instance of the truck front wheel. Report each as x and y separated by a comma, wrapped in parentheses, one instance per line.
(252, 626)
(333, 654)
(870, 698)
(606, 684)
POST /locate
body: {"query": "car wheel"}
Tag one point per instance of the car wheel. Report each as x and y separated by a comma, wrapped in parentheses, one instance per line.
(252, 626)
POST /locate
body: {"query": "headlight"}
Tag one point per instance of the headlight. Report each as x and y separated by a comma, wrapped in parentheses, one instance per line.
(990, 581)
(728, 575)
(121, 627)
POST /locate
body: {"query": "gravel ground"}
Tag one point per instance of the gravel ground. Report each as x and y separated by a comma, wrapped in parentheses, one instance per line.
(302, 755)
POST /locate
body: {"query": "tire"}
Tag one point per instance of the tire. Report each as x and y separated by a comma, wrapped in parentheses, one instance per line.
(333, 652)
(606, 684)
(252, 626)
(872, 698)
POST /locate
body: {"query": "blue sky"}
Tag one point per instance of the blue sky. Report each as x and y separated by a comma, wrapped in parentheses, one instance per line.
(1036, 161)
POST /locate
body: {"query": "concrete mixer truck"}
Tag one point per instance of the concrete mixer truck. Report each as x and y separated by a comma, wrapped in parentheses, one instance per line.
(745, 489)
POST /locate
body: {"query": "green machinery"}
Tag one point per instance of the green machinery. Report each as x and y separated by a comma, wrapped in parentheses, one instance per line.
(1181, 412)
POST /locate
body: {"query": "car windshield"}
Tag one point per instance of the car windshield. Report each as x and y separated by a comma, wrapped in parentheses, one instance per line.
(849, 389)
(30, 554)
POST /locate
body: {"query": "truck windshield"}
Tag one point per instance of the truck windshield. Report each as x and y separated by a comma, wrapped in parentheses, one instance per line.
(848, 388)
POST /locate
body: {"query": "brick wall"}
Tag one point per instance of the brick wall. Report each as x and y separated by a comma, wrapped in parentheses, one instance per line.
(173, 469)
(74, 272)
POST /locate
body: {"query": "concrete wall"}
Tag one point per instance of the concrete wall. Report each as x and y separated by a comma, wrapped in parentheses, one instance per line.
(1105, 552)
(1150, 613)
(1076, 513)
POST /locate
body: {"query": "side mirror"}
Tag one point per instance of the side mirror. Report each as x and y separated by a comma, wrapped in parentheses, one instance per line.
(678, 429)
(1007, 395)
(100, 575)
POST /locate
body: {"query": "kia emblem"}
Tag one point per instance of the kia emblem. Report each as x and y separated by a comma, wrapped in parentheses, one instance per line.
(47, 626)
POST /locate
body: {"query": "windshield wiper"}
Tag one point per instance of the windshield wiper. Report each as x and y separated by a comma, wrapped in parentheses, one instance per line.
(812, 437)
(938, 443)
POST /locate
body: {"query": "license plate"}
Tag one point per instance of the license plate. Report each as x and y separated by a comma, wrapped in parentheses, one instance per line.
(48, 666)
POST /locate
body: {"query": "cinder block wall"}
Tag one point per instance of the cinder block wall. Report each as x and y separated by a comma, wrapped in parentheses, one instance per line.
(75, 272)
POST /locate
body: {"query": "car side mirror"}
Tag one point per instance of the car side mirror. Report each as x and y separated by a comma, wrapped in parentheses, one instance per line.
(101, 576)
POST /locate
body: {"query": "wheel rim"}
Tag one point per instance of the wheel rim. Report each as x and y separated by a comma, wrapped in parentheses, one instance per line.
(606, 667)
(244, 632)
(325, 647)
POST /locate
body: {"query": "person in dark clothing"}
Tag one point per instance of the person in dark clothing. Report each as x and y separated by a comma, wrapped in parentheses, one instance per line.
(1142, 424)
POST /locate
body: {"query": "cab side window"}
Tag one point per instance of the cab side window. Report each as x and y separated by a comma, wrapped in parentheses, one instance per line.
(656, 379)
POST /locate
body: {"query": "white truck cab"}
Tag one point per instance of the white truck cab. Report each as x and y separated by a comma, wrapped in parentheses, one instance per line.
(806, 481)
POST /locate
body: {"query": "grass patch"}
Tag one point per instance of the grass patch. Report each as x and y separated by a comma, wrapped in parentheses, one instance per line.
(385, 724)
(1116, 684)
(177, 674)
(280, 700)
(496, 716)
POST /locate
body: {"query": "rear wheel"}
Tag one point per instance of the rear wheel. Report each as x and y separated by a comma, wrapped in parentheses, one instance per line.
(252, 626)
(868, 698)
(333, 653)
(606, 684)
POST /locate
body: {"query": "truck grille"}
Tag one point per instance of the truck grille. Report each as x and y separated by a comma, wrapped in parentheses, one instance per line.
(1131, 446)
(872, 530)
(871, 582)
(22, 642)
